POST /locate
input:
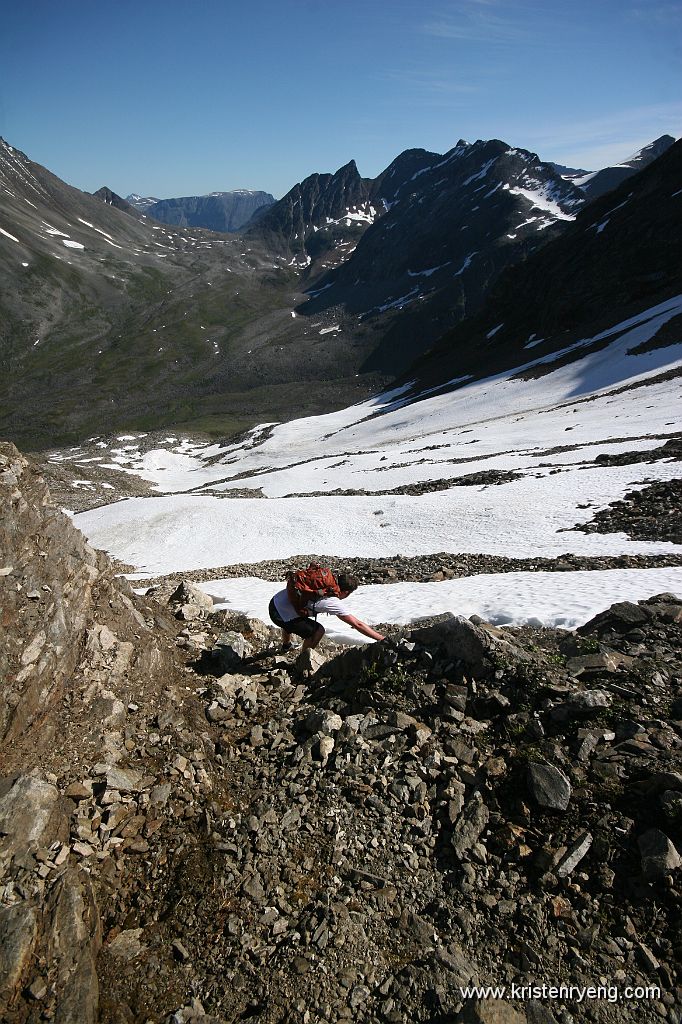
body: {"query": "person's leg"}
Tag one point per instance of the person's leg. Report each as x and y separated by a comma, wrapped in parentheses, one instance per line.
(277, 619)
(313, 640)
(286, 640)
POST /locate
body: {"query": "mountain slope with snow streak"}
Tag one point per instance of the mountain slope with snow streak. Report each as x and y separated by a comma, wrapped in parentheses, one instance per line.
(109, 319)
(617, 259)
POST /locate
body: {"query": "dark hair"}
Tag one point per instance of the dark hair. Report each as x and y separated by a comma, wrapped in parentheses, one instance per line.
(347, 582)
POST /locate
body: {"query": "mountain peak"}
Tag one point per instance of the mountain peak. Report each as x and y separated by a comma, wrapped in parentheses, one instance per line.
(605, 180)
(112, 199)
(649, 152)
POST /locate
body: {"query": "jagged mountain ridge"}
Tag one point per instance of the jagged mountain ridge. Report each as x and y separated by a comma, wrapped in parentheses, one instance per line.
(449, 225)
(619, 256)
(339, 204)
(332, 199)
(218, 211)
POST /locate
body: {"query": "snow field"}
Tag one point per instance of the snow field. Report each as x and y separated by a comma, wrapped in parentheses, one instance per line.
(517, 519)
(563, 600)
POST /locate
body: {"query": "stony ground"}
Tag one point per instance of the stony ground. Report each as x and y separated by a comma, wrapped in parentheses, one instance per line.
(198, 828)
(652, 513)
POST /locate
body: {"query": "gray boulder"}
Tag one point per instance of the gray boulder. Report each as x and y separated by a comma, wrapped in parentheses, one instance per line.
(658, 853)
(549, 786)
(230, 649)
(477, 646)
(188, 593)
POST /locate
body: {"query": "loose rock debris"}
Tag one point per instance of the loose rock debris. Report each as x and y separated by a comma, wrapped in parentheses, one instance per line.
(196, 827)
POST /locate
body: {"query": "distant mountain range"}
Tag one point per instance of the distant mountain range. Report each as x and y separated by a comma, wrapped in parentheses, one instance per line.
(218, 211)
(110, 319)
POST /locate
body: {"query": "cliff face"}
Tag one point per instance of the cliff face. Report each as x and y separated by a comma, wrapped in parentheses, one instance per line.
(47, 577)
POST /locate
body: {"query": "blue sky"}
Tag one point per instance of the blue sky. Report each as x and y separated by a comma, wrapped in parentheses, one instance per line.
(182, 98)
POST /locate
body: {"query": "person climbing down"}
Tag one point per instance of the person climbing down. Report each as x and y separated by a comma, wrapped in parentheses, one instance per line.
(295, 608)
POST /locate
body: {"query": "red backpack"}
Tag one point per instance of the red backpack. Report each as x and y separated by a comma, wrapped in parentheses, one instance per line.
(309, 585)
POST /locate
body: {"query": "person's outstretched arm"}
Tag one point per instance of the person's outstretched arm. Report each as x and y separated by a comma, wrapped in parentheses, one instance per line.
(362, 627)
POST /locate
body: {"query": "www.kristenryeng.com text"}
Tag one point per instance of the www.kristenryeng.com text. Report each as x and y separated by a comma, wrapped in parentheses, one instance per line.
(563, 993)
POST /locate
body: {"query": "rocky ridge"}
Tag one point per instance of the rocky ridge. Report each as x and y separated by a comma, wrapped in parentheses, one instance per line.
(411, 568)
(346, 834)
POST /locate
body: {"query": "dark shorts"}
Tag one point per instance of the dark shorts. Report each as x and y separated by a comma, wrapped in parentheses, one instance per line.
(305, 626)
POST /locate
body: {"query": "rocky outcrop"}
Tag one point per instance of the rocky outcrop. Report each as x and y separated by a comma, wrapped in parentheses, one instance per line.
(50, 930)
(74, 646)
(47, 577)
(71, 626)
(652, 513)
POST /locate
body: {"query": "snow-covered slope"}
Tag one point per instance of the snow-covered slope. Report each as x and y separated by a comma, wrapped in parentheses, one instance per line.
(406, 471)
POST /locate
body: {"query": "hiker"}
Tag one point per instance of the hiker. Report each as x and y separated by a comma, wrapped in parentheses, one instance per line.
(302, 620)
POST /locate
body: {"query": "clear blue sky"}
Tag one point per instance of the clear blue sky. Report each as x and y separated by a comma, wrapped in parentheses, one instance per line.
(184, 97)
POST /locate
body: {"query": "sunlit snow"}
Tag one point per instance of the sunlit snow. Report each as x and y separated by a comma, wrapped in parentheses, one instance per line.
(547, 430)
(555, 599)
(541, 199)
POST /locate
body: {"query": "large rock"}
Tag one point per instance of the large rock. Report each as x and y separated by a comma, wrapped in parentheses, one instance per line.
(549, 786)
(309, 662)
(478, 646)
(619, 618)
(470, 825)
(72, 940)
(658, 853)
(18, 933)
(189, 593)
(31, 815)
(193, 603)
(230, 650)
(490, 1011)
(61, 930)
